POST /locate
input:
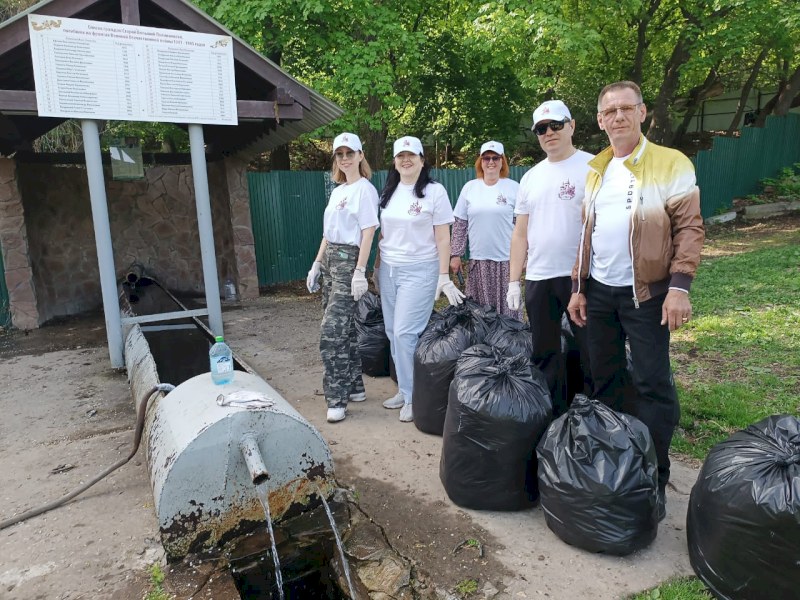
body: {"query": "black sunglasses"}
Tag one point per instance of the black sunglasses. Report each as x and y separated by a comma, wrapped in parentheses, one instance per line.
(553, 125)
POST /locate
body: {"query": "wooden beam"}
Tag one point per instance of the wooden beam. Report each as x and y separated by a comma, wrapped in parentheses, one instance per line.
(130, 12)
(260, 109)
(16, 33)
(18, 101)
(78, 158)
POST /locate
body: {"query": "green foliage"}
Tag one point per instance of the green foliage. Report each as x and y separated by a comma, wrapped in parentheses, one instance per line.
(156, 584)
(683, 588)
(467, 587)
(787, 183)
(739, 358)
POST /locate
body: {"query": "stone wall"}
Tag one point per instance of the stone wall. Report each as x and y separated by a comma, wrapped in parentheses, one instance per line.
(153, 223)
(14, 246)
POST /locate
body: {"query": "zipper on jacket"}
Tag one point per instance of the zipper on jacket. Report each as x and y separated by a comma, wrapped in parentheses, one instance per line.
(630, 247)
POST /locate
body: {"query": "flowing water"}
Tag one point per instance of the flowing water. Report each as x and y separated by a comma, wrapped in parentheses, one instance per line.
(339, 545)
(263, 495)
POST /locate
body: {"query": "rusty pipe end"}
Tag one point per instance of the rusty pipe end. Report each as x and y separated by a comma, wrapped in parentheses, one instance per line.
(253, 459)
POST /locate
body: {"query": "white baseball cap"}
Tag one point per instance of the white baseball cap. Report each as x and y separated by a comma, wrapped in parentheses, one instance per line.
(348, 140)
(492, 146)
(408, 144)
(554, 110)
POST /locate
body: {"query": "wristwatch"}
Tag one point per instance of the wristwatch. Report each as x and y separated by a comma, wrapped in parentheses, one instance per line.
(362, 269)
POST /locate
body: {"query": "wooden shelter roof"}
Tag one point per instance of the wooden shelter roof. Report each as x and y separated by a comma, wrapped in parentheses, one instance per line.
(273, 107)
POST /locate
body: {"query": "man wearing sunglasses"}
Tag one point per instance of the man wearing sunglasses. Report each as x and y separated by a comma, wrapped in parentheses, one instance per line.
(545, 240)
(640, 247)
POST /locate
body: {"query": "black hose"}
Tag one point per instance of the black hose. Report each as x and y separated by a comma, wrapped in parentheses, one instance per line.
(137, 438)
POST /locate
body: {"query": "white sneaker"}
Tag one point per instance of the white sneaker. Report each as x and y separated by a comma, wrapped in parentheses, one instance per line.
(337, 413)
(360, 397)
(396, 401)
(406, 414)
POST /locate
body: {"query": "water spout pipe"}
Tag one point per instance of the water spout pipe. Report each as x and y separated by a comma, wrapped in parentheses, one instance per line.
(253, 459)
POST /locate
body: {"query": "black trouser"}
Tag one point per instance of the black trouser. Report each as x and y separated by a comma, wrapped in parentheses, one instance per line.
(611, 317)
(546, 304)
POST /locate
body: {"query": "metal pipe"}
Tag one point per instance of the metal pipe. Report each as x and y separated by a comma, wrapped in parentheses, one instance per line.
(205, 227)
(252, 457)
(102, 237)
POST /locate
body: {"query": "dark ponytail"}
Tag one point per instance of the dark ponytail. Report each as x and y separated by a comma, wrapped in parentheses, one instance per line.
(393, 180)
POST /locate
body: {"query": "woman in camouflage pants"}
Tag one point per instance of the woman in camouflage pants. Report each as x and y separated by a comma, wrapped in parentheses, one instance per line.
(348, 228)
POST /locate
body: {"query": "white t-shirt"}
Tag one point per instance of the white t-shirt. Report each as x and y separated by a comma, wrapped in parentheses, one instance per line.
(613, 207)
(351, 208)
(551, 194)
(489, 212)
(407, 224)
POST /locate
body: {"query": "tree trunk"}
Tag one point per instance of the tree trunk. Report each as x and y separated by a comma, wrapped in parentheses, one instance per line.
(697, 96)
(641, 41)
(660, 130)
(767, 109)
(279, 158)
(748, 85)
(788, 94)
(374, 142)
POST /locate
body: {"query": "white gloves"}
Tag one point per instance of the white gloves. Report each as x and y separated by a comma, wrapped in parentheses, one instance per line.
(375, 280)
(312, 279)
(454, 295)
(513, 298)
(359, 285)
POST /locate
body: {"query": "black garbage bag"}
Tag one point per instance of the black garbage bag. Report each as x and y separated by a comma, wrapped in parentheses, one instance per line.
(510, 336)
(373, 345)
(496, 413)
(743, 523)
(478, 319)
(438, 350)
(598, 479)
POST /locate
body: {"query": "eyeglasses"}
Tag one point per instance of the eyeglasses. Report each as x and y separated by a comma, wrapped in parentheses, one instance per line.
(553, 125)
(345, 155)
(492, 158)
(627, 110)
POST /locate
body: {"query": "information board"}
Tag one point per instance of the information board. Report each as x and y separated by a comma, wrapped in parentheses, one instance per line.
(98, 70)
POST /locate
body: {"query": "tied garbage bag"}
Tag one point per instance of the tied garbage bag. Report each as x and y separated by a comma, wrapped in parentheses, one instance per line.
(510, 336)
(496, 413)
(373, 345)
(598, 479)
(438, 350)
(743, 523)
(478, 319)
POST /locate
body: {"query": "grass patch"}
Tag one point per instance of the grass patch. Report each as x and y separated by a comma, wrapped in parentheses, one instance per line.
(467, 587)
(683, 588)
(156, 584)
(738, 361)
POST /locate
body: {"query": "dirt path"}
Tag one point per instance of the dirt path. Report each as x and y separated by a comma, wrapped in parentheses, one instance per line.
(67, 415)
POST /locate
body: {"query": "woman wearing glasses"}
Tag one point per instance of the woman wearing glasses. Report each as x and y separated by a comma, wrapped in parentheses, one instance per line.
(484, 219)
(348, 228)
(411, 268)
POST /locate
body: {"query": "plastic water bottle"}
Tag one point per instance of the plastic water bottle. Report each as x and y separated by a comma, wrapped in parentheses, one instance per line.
(221, 359)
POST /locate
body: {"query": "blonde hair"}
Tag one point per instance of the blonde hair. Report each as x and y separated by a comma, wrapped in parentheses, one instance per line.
(504, 169)
(363, 168)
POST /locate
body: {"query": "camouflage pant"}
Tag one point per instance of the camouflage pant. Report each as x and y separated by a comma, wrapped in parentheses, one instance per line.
(338, 344)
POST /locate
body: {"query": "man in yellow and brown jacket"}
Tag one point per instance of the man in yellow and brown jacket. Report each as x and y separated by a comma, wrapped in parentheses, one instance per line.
(640, 247)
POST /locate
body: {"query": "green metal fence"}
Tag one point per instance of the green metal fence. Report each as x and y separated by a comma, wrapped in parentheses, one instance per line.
(734, 166)
(287, 206)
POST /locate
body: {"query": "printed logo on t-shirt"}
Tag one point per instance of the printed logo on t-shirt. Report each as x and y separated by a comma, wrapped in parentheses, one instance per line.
(501, 199)
(415, 209)
(342, 204)
(566, 191)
